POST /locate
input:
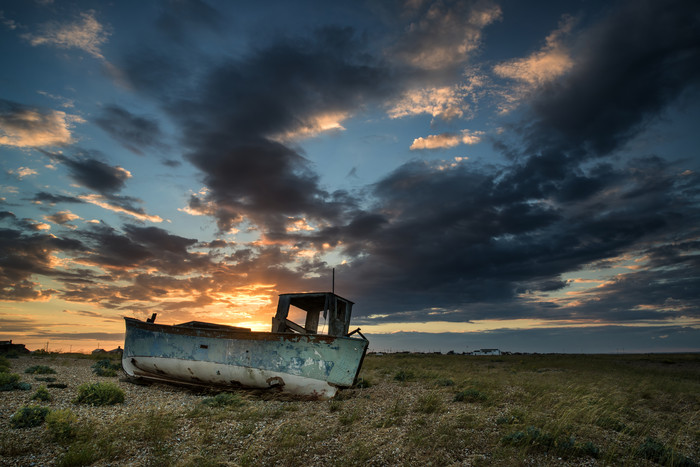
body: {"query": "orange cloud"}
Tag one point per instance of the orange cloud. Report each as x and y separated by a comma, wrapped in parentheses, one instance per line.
(447, 140)
(28, 127)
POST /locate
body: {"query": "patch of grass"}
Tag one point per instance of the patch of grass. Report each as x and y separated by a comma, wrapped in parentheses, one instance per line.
(394, 416)
(655, 451)
(610, 423)
(470, 395)
(291, 435)
(99, 394)
(105, 367)
(534, 439)
(14, 444)
(57, 385)
(42, 394)
(79, 454)
(152, 426)
(11, 381)
(334, 406)
(224, 399)
(349, 417)
(429, 403)
(40, 370)
(363, 383)
(404, 375)
(509, 420)
(29, 416)
(444, 382)
(62, 425)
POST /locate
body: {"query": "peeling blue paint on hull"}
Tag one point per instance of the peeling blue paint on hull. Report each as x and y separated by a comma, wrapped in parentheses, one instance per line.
(304, 365)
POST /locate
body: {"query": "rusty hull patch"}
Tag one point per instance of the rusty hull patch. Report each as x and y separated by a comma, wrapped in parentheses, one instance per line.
(275, 382)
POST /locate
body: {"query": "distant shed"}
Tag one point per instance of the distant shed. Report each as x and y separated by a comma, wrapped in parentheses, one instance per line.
(9, 347)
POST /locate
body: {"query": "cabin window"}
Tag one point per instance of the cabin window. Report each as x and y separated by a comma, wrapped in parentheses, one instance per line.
(203, 346)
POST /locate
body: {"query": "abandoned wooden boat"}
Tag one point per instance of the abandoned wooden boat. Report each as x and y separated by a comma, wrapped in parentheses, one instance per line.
(292, 358)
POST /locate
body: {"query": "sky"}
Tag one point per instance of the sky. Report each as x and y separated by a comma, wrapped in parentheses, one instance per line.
(480, 174)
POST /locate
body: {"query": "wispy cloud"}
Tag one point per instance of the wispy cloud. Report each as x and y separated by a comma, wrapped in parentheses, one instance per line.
(545, 65)
(86, 34)
(443, 34)
(123, 206)
(446, 103)
(22, 172)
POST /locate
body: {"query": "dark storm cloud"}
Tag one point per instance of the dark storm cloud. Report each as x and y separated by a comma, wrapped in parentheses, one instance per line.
(142, 247)
(454, 242)
(88, 169)
(629, 67)
(238, 107)
(136, 133)
(25, 255)
(7, 215)
(44, 197)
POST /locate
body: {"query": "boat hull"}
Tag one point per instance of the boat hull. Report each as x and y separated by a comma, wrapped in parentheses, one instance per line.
(304, 365)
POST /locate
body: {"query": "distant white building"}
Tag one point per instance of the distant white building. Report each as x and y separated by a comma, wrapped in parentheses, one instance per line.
(486, 352)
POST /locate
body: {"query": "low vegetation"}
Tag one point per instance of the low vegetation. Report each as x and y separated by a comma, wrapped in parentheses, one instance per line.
(40, 370)
(11, 381)
(106, 367)
(62, 425)
(42, 394)
(29, 416)
(418, 410)
(224, 399)
(99, 394)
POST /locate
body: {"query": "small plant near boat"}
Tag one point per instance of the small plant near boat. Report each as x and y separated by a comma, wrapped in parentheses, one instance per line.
(470, 395)
(40, 370)
(105, 367)
(335, 406)
(41, 394)
(99, 394)
(429, 403)
(224, 399)
(444, 382)
(363, 383)
(62, 425)
(10, 382)
(29, 416)
(404, 375)
(349, 417)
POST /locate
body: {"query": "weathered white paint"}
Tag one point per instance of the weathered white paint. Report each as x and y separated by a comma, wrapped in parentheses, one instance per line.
(202, 372)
